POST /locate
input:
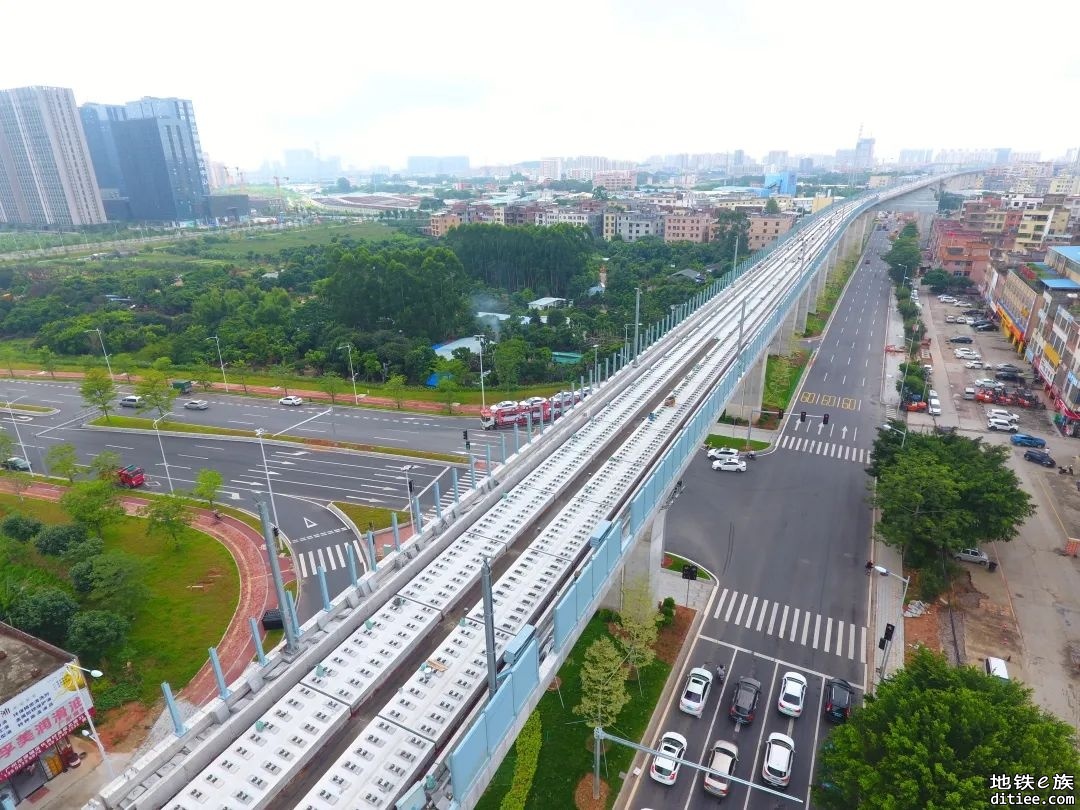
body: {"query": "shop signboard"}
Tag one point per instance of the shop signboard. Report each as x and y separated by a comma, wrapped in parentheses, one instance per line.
(40, 716)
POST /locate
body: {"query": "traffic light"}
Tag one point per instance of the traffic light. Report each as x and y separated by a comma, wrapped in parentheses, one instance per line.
(410, 486)
(781, 416)
(889, 628)
(689, 571)
(802, 416)
(825, 419)
(465, 436)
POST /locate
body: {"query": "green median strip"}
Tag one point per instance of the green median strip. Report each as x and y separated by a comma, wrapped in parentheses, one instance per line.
(22, 406)
(673, 562)
(374, 516)
(738, 442)
(138, 423)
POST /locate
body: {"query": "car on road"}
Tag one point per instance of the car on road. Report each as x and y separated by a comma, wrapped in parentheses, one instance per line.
(839, 695)
(722, 452)
(696, 692)
(729, 465)
(196, 404)
(292, 399)
(778, 760)
(1039, 457)
(792, 694)
(131, 401)
(973, 364)
(1001, 424)
(16, 463)
(972, 555)
(665, 769)
(724, 758)
(1027, 440)
(961, 339)
(745, 700)
(934, 408)
(1001, 413)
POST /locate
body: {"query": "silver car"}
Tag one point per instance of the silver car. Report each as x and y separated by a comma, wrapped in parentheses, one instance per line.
(972, 555)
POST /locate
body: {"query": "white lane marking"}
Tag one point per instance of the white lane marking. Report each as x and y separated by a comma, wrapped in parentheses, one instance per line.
(817, 630)
(828, 633)
(742, 605)
(839, 637)
(862, 646)
(730, 607)
(750, 614)
(772, 618)
(783, 622)
(851, 643)
(761, 616)
(805, 628)
(794, 625)
(720, 604)
(341, 557)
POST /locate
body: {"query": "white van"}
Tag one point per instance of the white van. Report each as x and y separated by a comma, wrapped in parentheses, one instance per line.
(996, 667)
(934, 408)
(131, 401)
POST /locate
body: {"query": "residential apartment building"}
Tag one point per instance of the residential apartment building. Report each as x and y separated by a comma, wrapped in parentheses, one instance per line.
(441, 224)
(46, 174)
(617, 180)
(693, 226)
(960, 251)
(148, 159)
(632, 225)
(764, 229)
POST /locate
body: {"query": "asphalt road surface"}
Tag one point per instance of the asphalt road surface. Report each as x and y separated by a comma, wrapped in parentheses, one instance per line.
(787, 541)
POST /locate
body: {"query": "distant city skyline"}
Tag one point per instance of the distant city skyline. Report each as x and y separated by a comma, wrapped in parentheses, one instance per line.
(373, 85)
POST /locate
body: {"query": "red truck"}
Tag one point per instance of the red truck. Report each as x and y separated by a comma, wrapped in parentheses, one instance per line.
(131, 476)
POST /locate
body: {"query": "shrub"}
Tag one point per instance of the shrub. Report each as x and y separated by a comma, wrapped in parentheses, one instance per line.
(20, 527)
(607, 615)
(55, 540)
(118, 694)
(82, 576)
(931, 583)
(667, 612)
(528, 754)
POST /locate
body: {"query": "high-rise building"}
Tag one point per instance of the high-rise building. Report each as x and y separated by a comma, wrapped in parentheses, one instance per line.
(46, 177)
(864, 153)
(148, 159)
(550, 169)
(430, 166)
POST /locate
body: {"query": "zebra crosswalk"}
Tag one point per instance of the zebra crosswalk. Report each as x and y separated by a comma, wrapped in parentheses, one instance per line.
(792, 624)
(841, 452)
(330, 559)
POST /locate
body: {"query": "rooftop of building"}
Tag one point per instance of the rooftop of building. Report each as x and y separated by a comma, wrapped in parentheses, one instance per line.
(26, 660)
(1070, 252)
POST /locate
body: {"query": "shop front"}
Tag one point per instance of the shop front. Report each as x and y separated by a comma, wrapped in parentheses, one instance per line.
(1067, 419)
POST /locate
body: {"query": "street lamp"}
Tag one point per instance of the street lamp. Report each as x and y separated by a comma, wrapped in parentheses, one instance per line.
(18, 435)
(269, 489)
(161, 447)
(596, 363)
(885, 572)
(108, 365)
(94, 673)
(409, 490)
(903, 433)
(352, 376)
(221, 362)
(480, 342)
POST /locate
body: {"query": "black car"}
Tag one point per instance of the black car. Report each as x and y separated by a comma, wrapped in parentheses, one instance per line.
(839, 695)
(744, 703)
(1039, 457)
(1009, 376)
(973, 312)
(961, 339)
(983, 327)
(1008, 367)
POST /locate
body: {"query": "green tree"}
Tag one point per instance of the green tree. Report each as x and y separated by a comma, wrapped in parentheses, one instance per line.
(48, 362)
(207, 484)
(933, 735)
(241, 371)
(395, 389)
(45, 613)
(93, 634)
(57, 538)
(104, 465)
(639, 620)
(7, 445)
(98, 390)
(509, 359)
(772, 207)
(63, 460)
(903, 259)
(448, 392)
(331, 384)
(124, 365)
(95, 504)
(115, 582)
(283, 376)
(167, 516)
(156, 391)
(603, 684)
(204, 376)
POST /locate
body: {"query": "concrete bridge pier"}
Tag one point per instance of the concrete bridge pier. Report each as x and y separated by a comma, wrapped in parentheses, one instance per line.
(745, 402)
(802, 307)
(783, 335)
(817, 285)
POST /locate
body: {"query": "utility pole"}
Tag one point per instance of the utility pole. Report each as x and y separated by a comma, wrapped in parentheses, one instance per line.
(637, 322)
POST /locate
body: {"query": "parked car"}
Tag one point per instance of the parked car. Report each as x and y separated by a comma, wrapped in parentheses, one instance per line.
(1039, 457)
(725, 756)
(1027, 440)
(745, 700)
(792, 694)
(292, 399)
(665, 769)
(722, 452)
(839, 695)
(950, 319)
(1009, 376)
(1001, 413)
(962, 304)
(696, 692)
(961, 339)
(973, 364)
(196, 404)
(1001, 424)
(983, 327)
(1008, 367)
(729, 464)
(972, 555)
(779, 759)
(16, 463)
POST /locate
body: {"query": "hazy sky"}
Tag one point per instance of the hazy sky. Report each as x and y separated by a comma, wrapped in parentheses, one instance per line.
(504, 81)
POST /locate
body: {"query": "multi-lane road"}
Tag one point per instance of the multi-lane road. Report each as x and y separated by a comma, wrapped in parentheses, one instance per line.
(787, 542)
(302, 479)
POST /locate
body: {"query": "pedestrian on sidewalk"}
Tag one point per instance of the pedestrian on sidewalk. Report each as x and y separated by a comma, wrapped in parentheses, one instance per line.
(869, 567)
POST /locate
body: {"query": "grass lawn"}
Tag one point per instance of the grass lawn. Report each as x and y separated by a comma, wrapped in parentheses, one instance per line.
(673, 562)
(273, 241)
(362, 515)
(564, 759)
(738, 442)
(782, 375)
(173, 628)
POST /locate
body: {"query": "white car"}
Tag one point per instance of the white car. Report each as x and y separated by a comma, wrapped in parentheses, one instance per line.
(723, 452)
(725, 755)
(792, 694)
(665, 769)
(1001, 424)
(962, 304)
(696, 692)
(988, 382)
(950, 319)
(973, 364)
(946, 298)
(779, 759)
(196, 404)
(292, 399)
(533, 402)
(969, 321)
(1001, 413)
(505, 405)
(932, 394)
(729, 465)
